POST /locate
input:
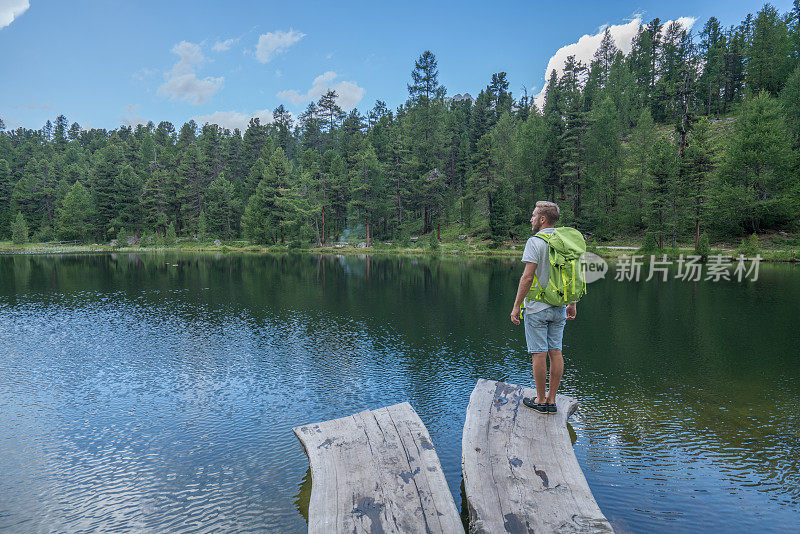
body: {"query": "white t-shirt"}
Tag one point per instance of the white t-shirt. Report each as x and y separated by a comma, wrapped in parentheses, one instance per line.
(537, 251)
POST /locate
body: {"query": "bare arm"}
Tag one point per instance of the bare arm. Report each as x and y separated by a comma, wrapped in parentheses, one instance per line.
(525, 282)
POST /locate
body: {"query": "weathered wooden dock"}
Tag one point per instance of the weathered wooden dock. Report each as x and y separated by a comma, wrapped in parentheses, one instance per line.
(376, 471)
(520, 471)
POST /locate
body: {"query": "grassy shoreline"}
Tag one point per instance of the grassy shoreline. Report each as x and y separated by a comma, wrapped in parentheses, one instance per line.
(609, 252)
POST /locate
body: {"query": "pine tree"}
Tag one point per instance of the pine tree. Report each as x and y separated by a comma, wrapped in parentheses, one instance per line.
(154, 200)
(790, 100)
(643, 60)
(22, 196)
(554, 123)
(573, 137)
(19, 230)
(339, 195)
(170, 236)
(711, 84)
(187, 135)
(604, 57)
(794, 33)
(257, 222)
(313, 189)
(221, 208)
(486, 180)
(502, 210)
(60, 132)
(768, 56)
(621, 89)
(6, 189)
(234, 169)
(127, 196)
(532, 146)
(311, 128)
(757, 160)
(255, 139)
(697, 165)
(74, 216)
(266, 215)
(641, 143)
(501, 99)
(282, 120)
(211, 156)
(330, 111)
(734, 69)
(202, 227)
(191, 184)
(45, 192)
(663, 170)
(107, 166)
(279, 174)
(367, 188)
(677, 73)
(603, 157)
(425, 136)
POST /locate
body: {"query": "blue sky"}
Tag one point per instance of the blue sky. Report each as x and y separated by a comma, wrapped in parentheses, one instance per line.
(111, 62)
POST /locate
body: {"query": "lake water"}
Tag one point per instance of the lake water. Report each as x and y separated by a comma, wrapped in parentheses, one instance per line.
(157, 392)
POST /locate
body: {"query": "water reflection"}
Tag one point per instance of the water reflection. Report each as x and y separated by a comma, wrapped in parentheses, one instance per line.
(158, 391)
(303, 498)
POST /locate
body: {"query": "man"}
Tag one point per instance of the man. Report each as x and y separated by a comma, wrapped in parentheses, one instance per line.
(544, 323)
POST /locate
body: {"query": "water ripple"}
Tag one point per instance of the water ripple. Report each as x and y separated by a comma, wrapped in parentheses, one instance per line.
(139, 397)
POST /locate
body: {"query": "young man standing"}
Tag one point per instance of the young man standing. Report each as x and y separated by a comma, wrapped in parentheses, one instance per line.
(544, 323)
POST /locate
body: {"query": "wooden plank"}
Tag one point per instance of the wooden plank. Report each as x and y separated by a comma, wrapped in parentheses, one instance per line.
(520, 471)
(376, 471)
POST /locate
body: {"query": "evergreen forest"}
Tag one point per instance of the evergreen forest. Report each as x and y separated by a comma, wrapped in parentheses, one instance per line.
(691, 133)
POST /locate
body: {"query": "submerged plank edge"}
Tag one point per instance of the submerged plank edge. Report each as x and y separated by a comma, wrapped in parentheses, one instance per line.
(376, 471)
(520, 471)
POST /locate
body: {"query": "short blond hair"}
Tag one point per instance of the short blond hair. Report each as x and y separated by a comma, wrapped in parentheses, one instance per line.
(549, 210)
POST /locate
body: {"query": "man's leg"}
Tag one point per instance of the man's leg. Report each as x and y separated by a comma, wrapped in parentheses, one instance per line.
(536, 339)
(540, 374)
(555, 335)
(556, 372)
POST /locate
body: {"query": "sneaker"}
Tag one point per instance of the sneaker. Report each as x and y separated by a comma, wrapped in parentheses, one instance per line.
(551, 408)
(531, 403)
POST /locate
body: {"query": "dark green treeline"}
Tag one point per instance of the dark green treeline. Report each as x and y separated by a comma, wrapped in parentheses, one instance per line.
(686, 134)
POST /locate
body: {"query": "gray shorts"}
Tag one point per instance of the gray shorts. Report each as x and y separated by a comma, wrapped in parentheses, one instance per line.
(544, 330)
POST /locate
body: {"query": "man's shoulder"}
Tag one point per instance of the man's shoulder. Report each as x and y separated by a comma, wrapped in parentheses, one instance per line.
(533, 249)
(534, 243)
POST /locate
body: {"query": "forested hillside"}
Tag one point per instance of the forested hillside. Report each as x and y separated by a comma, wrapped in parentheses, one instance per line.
(687, 134)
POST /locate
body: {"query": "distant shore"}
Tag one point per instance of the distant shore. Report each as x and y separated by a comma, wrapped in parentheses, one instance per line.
(511, 250)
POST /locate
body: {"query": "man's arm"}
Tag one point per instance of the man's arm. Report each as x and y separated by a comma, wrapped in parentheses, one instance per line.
(525, 282)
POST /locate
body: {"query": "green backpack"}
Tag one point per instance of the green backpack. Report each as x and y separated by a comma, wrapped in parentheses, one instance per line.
(566, 283)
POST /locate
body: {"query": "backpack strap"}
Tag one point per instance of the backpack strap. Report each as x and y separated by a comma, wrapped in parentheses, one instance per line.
(544, 236)
(541, 235)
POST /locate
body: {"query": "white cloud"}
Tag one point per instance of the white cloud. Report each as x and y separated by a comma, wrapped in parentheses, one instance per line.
(234, 119)
(191, 56)
(190, 88)
(272, 44)
(224, 46)
(182, 83)
(586, 46)
(10, 10)
(132, 118)
(349, 93)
